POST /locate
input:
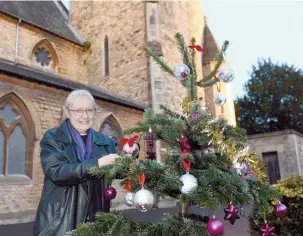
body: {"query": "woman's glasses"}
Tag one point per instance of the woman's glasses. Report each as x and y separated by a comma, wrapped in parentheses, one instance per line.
(80, 112)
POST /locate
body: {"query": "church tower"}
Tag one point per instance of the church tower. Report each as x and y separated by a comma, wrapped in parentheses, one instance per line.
(117, 32)
(227, 110)
(117, 62)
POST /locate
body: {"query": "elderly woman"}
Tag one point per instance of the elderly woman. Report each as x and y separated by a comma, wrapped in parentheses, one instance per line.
(70, 194)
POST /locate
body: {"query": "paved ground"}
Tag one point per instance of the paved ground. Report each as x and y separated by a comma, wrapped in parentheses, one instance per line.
(238, 229)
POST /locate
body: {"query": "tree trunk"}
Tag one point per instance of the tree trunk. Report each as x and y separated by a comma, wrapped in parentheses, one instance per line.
(185, 206)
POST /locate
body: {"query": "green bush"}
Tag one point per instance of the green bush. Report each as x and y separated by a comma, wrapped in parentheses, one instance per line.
(290, 225)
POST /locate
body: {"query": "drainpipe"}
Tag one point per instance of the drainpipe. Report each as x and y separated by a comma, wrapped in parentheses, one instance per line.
(17, 41)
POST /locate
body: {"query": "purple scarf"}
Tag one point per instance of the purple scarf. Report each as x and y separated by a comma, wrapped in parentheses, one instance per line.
(83, 150)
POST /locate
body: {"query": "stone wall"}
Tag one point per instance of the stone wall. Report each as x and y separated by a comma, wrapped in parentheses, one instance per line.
(130, 68)
(70, 57)
(123, 23)
(287, 144)
(19, 199)
(185, 18)
(228, 109)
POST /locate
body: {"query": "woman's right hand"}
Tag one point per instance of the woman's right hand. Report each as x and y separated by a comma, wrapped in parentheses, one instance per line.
(107, 160)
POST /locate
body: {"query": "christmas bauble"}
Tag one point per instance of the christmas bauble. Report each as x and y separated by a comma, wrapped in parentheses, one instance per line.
(220, 99)
(195, 115)
(215, 226)
(133, 150)
(190, 183)
(129, 199)
(110, 193)
(181, 71)
(226, 75)
(280, 210)
(267, 230)
(240, 168)
(144, 200)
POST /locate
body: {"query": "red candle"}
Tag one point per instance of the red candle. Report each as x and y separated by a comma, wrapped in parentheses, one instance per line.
(150, 145)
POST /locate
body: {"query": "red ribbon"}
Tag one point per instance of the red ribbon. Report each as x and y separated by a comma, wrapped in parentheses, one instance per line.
(184, 143)
(130, 141)
(128, 186)
(198, 48)
(185, 164)
(141, 179)
(185, 151)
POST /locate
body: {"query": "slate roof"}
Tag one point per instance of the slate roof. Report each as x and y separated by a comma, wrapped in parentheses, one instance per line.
(50, 16)
(209, 44)
(40, 77)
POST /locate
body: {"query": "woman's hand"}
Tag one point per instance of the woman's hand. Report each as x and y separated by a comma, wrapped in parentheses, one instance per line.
(107, 160)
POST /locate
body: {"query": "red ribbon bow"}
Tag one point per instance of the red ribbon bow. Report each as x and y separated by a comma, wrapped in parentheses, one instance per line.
(141, 179)
(186, 165)
(128, 186)
(198, 48)
(130, 141)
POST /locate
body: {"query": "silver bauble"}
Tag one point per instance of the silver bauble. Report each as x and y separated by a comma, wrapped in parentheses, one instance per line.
(181, 71)
(133, 150)
(220, 99)
(226, 75)
(190, 183)
(129, 199)
(239, 167)
(144, 200)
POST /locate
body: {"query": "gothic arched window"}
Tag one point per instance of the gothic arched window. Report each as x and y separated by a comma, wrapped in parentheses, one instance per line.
(112, 129)
(44, 56)
(106, 56)
(16, 137)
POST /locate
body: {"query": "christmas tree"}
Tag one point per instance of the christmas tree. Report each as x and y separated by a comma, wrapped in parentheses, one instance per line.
(207, 163)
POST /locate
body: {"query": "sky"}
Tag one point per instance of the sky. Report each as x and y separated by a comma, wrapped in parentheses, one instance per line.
(256, 29)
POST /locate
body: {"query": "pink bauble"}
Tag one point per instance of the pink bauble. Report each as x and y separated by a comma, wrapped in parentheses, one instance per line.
(110, 193)
(281, 210)
(215, 226)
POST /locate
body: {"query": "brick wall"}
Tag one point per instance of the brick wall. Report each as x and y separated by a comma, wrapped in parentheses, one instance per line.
(18, 201)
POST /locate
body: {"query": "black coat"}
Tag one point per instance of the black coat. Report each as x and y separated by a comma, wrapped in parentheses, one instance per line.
(70, 194)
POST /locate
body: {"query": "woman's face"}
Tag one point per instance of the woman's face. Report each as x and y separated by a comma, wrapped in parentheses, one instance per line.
(81, 114)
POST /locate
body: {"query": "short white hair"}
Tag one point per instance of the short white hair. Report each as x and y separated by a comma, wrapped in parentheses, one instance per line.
(79, 93)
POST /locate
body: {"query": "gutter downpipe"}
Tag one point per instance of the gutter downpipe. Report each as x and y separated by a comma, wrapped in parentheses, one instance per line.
(17, 41)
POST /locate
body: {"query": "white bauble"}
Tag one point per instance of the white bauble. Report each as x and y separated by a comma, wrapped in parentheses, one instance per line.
(190, 183)
(133, 150)
(144, 200)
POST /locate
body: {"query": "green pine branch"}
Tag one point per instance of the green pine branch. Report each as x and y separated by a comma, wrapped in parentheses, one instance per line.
(117, 224)
(164, 66)
(171, 113)
(182, 48)
(219, 59)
